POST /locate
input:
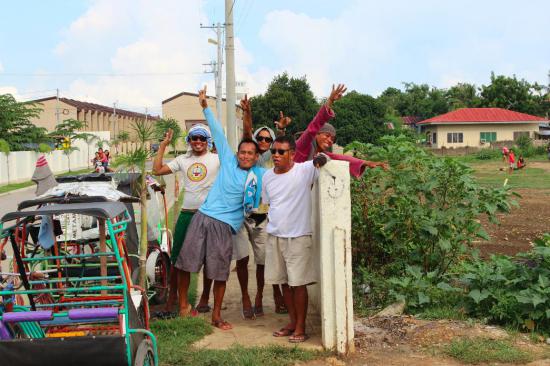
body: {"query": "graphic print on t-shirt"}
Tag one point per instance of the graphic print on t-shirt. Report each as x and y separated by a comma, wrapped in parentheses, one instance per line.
(196, 172)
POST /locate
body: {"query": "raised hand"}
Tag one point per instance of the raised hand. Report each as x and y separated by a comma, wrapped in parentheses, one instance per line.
(245, 105)
(202, 98)
(336, 94)
(167, 137)
(283, 121)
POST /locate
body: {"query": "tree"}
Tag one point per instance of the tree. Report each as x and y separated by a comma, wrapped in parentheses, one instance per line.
(291, 95)
(88, 138)
(161, 126)
(359, 117)
(5, 148)
(136, 161)
(69, 129)
(463, 95)
(517, 95)
(15, 125)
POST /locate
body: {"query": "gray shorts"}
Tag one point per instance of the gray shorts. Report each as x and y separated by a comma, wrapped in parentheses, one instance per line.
(208, 241)
(250, 234)
(290, 260)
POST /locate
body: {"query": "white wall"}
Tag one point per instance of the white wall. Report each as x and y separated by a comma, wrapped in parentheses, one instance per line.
(22, 163)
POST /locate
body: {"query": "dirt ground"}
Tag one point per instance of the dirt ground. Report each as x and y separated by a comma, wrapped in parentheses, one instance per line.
(404, 340)
(518, 229)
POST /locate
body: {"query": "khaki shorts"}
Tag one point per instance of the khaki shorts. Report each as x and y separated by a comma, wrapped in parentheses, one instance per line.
(249, 235)
(290, 260)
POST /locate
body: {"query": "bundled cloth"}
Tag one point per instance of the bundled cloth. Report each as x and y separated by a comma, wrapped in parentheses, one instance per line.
(104, 189)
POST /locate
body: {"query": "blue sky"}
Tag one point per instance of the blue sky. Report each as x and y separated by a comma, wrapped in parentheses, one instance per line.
(140, 52)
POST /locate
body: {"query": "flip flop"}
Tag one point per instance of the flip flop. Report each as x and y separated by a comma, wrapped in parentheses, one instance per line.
(283, 332)
(258, 311)
(165, 314)
(281, 309)
(300, 338)
(203, 308)
(222, 324)
(248, 314)
(191, 312)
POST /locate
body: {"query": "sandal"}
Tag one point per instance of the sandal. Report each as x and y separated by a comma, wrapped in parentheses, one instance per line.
(258, 310)
(283, 332)
(281, 309)
(165, 315)
(248, 314)
(298, 338)
(222, 324)
(189, 313)
(203, 308)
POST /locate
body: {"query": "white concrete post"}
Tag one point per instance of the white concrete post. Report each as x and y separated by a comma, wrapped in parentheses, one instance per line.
(333, 298)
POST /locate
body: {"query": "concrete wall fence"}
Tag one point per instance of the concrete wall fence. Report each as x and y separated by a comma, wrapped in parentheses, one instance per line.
(22, 163)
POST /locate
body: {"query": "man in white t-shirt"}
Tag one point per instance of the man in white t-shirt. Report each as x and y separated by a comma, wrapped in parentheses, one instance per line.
(200, 168)
(289, 260)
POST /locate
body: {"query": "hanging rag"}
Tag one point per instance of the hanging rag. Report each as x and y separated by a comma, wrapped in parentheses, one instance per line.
(46, 237)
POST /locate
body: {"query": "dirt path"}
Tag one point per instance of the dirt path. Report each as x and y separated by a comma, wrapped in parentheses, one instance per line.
(518, 229)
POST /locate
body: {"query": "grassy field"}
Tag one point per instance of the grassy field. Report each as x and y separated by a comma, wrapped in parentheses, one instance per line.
(536, 175)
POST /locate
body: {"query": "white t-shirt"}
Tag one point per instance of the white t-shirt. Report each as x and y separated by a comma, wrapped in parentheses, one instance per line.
(289, 199)
(199, 175)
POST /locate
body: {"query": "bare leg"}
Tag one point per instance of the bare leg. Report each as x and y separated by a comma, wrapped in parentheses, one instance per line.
(173, 293)
(184, 278)
(206, 286)
(259, 285)
(219, 291)
(288, 295)
(242, 275)
(278, 298)
(300, 304)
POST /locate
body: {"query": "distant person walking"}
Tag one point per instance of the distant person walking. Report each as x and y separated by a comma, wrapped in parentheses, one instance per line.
(511, 160)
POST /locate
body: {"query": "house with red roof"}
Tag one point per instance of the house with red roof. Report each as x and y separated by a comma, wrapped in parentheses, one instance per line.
(478, 127)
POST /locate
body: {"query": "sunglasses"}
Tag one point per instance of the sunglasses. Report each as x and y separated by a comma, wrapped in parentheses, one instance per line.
(198, 138)
(278, 151)
(266, 139)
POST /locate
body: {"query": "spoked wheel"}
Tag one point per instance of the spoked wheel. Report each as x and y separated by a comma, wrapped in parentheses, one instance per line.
(162, 276)
(145, 355)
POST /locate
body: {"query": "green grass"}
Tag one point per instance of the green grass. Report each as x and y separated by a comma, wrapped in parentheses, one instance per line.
(488, 173)
(176, 336)
(484, 350)
(14, 186)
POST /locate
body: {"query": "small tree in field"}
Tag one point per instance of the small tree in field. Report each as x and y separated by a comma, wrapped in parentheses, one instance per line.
(5, 148)
(70, 129)
(136, 161)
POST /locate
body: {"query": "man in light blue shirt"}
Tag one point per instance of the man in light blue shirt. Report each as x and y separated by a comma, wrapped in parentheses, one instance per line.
(235, 193)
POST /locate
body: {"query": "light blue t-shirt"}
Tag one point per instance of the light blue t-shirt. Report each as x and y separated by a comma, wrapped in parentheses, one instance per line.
(225, 199)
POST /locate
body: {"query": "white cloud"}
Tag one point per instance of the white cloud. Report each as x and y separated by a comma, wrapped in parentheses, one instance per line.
(371, 45)
(162, 47)
(1, 67)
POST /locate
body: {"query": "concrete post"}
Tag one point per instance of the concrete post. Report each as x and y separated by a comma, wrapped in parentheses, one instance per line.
(332, 297)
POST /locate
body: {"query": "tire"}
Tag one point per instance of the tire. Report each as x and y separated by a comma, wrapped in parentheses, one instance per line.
(145, 354)
(161, 284)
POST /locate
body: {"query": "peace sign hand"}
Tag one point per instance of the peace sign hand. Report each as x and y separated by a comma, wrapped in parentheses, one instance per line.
(202, 98)
(283, 121)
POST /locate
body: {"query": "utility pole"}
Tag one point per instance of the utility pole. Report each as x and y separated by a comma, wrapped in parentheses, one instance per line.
(115, 121)
(217, 67)
(230, 74)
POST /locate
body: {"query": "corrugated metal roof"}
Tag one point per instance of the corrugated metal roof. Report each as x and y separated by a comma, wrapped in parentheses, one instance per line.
(411, 120)
(483, 115)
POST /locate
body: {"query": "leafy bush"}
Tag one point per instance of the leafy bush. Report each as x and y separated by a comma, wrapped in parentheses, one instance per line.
(488, 154)
(423, 211)
(511, 290)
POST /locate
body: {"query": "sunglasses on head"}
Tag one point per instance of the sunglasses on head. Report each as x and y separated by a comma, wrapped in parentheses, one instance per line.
(266, 139)
(278, 151)
(198, 138)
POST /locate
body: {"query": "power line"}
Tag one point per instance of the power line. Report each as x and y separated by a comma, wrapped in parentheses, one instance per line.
(102, 74)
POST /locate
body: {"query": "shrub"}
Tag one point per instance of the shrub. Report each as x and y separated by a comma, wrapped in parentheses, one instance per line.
(423, 211)
(488, 154)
